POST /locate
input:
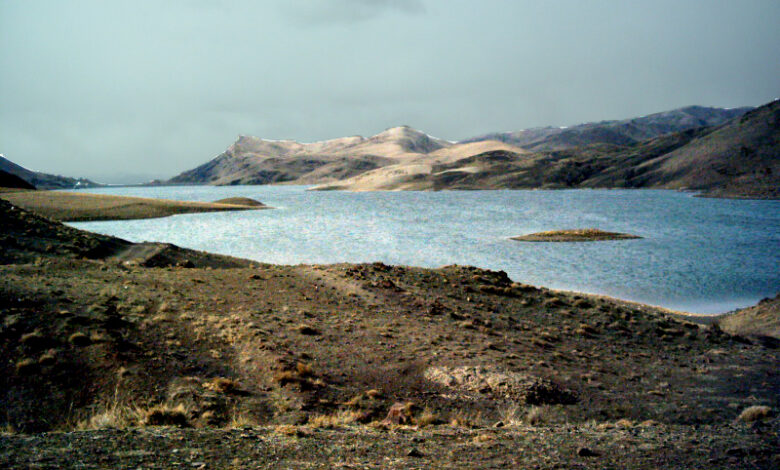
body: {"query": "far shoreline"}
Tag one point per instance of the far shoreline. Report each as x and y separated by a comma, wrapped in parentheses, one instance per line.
(72, 206)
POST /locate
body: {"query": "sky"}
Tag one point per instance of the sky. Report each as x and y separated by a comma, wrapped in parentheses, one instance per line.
(123, 91)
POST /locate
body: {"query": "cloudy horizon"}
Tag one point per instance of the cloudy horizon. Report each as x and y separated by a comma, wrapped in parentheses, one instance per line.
(128, 91)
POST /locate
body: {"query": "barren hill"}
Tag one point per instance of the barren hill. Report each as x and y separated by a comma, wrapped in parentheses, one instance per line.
(44, 180)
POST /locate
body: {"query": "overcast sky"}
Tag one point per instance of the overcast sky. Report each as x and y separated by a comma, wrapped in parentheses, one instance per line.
(122, 90)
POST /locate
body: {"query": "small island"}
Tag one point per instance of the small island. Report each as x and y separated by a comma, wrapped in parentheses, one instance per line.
(575, 235)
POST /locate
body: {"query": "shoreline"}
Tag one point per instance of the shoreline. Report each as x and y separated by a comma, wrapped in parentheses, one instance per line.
(66, 206)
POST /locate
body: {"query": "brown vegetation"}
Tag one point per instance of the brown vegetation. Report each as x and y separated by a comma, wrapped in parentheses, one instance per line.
(574, 235)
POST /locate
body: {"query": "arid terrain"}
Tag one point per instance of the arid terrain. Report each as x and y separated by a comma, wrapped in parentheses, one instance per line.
(717, 152)
(121, 355)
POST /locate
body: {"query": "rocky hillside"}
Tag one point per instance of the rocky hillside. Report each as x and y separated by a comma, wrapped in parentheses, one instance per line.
(623, 132)
(740, 158)
(44, 180)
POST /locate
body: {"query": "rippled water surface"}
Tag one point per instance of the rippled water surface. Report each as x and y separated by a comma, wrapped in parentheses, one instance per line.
(697, 254)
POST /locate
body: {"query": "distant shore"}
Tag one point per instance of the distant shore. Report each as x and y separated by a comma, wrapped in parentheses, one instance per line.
(82, 207)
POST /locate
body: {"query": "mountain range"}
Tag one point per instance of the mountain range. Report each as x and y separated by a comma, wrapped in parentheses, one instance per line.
(721, 152)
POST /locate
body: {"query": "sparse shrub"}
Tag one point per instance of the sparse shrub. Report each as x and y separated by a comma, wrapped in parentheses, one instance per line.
(115, 417)
(465, 419)
(340, 418)
(222, 385)
(301, 375)
(755, 413)
(36, 340)
(537, 415)
(511, 415)
(165, 415)
(26, 366)
(79, 339)
(289, 430)
(428, 418)
(483, 438)
(48, 358)
(238, 419)
(586, 330)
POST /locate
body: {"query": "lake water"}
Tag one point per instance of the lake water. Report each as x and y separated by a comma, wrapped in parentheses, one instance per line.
(697, 255)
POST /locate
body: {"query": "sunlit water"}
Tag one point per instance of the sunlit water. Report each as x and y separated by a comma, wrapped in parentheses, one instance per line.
(698, 255)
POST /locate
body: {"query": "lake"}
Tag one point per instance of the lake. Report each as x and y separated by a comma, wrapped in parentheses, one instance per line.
(698, 255)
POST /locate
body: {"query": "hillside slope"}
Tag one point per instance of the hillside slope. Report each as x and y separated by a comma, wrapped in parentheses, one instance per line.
(8, 180)
(45, 180)
(740, 158)
(621, 132)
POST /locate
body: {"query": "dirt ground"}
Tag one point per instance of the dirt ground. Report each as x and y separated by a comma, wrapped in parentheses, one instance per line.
(124, 355)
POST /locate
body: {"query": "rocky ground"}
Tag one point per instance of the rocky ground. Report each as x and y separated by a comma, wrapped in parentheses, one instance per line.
(118, 355)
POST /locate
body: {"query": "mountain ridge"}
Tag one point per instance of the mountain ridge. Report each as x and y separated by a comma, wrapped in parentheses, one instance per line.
(629, 153)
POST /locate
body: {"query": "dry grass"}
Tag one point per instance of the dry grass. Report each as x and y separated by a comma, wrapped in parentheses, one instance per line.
(165, 415)
(428, 418)
(755, 413)
(290, 430)
(538, 415)
(302, 375)
(239, 419)
(465, 419)
(340, 418)
(511, 415)
(222, 385)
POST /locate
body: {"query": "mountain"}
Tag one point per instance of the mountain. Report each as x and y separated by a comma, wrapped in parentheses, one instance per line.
(251, 160)
(736, 159)
(7, 180)
(44, 180)
(721, 152)
(624, 132)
